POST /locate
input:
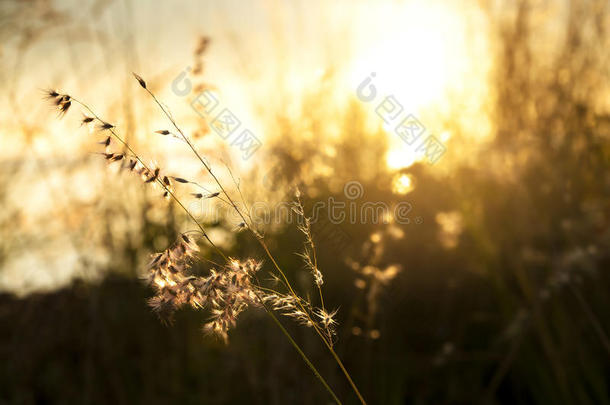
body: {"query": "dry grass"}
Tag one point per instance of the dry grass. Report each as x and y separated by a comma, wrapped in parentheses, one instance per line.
(232, 286)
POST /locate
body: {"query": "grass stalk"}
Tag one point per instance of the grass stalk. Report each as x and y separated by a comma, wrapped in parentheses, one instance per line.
(261, 241)
(216, 248)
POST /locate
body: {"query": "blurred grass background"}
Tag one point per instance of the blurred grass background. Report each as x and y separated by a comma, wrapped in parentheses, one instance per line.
(500, 295)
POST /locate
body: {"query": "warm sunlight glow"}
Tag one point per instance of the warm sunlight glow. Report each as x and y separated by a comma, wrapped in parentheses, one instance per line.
(358, 190)
(400, 156)
(402, 184)
(415, 55)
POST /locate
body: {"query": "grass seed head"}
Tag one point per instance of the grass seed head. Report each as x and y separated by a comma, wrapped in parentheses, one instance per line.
(140, 80)
(103, 126)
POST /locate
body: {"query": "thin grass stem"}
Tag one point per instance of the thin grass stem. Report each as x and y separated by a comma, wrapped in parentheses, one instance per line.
(261, 242)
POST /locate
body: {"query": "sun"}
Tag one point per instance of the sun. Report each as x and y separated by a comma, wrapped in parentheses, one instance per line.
(412, 54)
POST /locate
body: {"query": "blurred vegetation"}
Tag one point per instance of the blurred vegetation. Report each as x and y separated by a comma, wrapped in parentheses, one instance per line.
(498, 297)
